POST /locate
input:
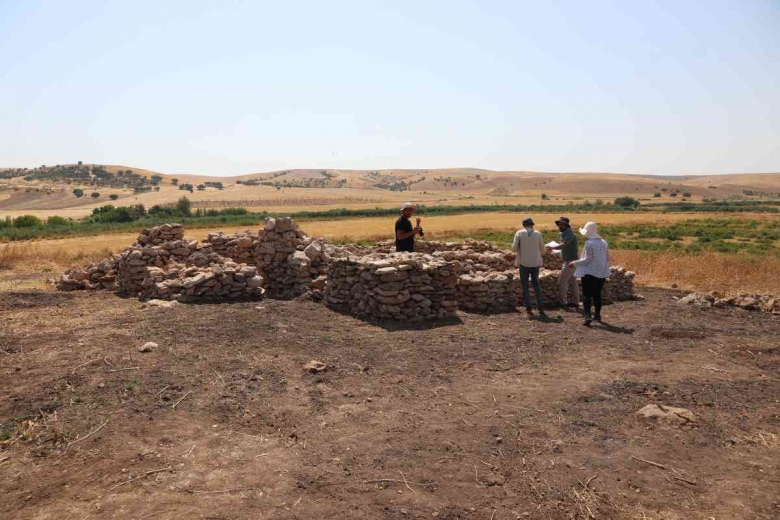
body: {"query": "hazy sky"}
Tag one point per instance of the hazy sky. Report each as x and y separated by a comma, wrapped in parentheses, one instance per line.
(224, 87)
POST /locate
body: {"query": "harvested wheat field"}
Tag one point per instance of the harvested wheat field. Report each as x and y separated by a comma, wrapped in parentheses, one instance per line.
(482, 416)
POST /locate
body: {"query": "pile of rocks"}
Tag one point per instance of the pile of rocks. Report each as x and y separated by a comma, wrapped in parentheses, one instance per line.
(161, 234)
(96, 276)
(239, 247)
(219, 279)
(752, 302)
(133, 262)
(280, 257)
(282, 260)
(395, 286)
(619, 286)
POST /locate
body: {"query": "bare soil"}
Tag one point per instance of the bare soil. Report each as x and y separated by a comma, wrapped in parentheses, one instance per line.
(484, 417)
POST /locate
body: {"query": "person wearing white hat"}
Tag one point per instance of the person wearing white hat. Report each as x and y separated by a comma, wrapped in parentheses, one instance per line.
(593, 268)
(404, 231)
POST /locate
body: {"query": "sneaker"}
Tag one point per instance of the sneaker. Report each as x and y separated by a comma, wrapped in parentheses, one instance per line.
(587, 322)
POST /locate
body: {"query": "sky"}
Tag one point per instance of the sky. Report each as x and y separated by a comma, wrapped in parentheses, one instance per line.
(230, 87)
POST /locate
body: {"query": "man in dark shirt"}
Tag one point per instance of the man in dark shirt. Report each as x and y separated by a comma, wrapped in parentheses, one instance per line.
(404, 231)
(567, 283)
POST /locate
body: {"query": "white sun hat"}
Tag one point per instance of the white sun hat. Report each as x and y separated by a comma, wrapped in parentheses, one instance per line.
(407, 205)
(590, 230)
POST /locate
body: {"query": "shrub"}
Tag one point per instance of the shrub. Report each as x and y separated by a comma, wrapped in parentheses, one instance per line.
(627, 202)
(95, 195)
(113, 196)
(27, 221)
(57, 221)
(657, 194)
(184, 206)
(686, 194)
(78, 192)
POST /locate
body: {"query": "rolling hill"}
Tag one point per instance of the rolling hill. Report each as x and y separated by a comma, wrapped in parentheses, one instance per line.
(50, 190)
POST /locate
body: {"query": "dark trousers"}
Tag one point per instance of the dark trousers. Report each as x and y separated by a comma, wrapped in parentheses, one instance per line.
(591, 293)
(533, 272)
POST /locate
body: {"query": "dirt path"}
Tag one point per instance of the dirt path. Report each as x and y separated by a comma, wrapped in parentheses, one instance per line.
(489, 417)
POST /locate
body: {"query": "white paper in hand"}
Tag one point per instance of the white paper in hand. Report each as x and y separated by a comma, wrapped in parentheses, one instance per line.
(554, 244)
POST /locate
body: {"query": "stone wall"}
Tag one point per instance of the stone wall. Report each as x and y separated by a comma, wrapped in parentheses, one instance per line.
(282, 260)
(618, 287)
(395, 286)
(219, 279)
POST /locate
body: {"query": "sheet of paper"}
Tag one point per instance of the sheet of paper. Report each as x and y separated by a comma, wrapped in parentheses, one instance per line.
(553, 244)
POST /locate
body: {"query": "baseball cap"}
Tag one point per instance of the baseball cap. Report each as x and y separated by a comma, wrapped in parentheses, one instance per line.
(407, 205)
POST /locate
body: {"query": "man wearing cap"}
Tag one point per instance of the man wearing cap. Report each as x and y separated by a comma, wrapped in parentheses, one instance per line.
(568, 248)
(529, 246)
(404, 231)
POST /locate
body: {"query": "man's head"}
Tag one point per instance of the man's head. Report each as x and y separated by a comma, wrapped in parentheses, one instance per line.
(528, 222)
(562, 223)
(408, 209)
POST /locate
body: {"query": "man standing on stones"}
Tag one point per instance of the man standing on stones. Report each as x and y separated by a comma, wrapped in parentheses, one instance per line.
(568, 248)
(404, 231)
(529, 246)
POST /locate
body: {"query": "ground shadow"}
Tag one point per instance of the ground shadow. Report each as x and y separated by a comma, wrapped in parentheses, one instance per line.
(393, 326)
(612, 328)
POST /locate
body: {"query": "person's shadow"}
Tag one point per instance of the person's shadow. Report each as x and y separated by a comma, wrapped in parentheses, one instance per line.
(546, 318)
(611, 328)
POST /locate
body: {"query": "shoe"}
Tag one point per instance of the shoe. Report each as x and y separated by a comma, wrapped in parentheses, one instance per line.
(598, 319)
(542, 313)
(530, 313)
(587, 322)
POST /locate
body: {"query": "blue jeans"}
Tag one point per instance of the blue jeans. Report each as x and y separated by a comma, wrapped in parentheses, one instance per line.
(534, 274)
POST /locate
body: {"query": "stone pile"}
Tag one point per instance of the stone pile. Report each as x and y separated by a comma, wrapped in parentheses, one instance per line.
(133, 262)
(218, 279)
(283, 261)
(161, 234)
(239, 247)
(281, 258)
(101, 275)
(768, 303)
(395, 286)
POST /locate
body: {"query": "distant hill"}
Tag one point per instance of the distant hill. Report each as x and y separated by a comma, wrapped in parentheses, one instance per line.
(50, 190)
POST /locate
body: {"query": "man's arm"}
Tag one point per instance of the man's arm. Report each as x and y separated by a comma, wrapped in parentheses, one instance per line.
(516, 243)
(541, 243)
(401, 235)
(587, 257)
(566, 241)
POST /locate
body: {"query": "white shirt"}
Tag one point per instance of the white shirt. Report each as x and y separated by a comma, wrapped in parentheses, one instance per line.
(594, 260)
(529, 246)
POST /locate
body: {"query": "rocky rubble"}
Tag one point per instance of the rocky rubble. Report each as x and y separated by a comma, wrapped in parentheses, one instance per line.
(768, 303)
(161, 234)
(395, 286)
(289, 259)
(285, 263)
(101, 275)
(239, 247)
(618, 287)
(220, 279)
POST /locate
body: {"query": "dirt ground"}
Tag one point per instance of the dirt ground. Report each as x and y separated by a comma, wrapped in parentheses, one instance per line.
(489, 417)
